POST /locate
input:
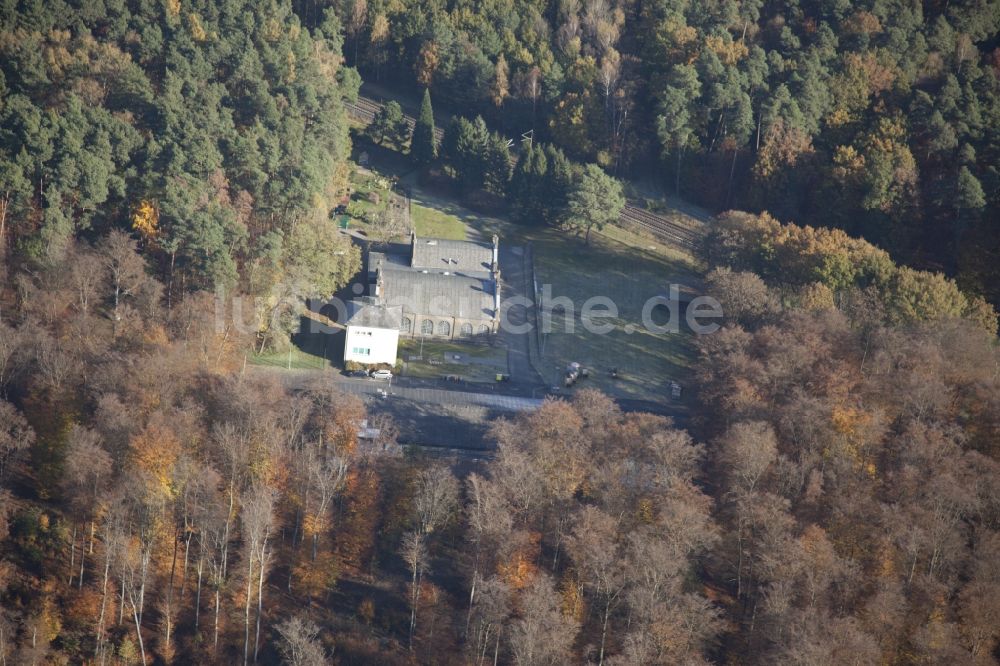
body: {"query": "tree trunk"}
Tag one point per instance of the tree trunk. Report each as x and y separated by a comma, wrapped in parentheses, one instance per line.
(121, 606)
(260, 600)
(414, 596)
(170, 586)
(295, 530)
(142, 587)
(246, 614)
(118, 290)
(604, 630)
(104, 602)
(197, 595)
(170, 280)
(83, 556)
(472, 596)
(215, 641)
(677, 173)
(184, 571)
(138, 632)
(4, 206)
(225, 536)
(72, 556)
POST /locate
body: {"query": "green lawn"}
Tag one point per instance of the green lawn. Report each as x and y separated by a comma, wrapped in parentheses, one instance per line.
(626, 266)
(300, 360)
(476, 362)
(434, 223)
(628, 275)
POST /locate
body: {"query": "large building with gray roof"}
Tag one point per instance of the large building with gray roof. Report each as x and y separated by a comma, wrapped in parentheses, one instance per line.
(443, 288)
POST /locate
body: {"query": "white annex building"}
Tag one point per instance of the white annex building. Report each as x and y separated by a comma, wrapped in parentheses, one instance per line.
(372, 332)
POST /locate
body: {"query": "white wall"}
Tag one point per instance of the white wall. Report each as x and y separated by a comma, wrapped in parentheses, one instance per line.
(380, 343)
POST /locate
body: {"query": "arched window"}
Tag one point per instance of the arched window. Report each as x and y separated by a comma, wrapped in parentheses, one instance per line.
(405, 325)
(427, 327)
(444, 328)
(484, 330)
(466, 330)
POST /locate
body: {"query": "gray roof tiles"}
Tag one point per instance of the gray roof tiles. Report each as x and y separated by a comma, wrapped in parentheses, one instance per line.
(440, 295)
(446, 279)
(469, 257)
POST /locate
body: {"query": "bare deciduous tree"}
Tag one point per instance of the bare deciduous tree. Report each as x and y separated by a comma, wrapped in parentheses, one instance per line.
(299, 644)
(436, 498)
(87, 473)
(15, 436)
(488, 613)
(414, 553)
(542, 634)
(13, 345)
(385, 225)
(489, 521)
(86, 274)
(125, 268)
(595, 550)
(257, 517)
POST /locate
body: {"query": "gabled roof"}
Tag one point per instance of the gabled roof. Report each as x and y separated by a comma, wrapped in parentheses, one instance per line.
(436, 277)
(438, 294)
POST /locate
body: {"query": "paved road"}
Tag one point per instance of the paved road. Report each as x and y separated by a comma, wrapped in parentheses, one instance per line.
(492, 400)
(444, 421)
(515, 281)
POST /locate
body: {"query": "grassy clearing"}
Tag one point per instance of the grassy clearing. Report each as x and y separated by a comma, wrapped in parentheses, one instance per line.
(625, 266)
(476, 362)
(440, 348)
(434, 223)
(629, 268)
(628, 276)
(300, 360)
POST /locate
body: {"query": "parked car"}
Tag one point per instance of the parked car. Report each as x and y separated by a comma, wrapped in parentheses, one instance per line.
(357, 373)
(382, 374)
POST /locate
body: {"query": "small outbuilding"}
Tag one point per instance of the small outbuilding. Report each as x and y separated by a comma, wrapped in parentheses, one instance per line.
(372, 332)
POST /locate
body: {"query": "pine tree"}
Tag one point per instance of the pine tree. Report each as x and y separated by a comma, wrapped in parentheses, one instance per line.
(556, 185)
(527, 186)
(496, 164)
(595, 200)
(423, 147)
(389, 124)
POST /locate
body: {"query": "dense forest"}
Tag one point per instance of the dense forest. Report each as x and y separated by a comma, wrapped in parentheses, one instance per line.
(215, 130)
(834, 498)
(875, 117)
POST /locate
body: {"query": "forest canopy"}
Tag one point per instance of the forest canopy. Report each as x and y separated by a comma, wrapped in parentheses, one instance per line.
(828, 493)
(875, 117)
(212, 129)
